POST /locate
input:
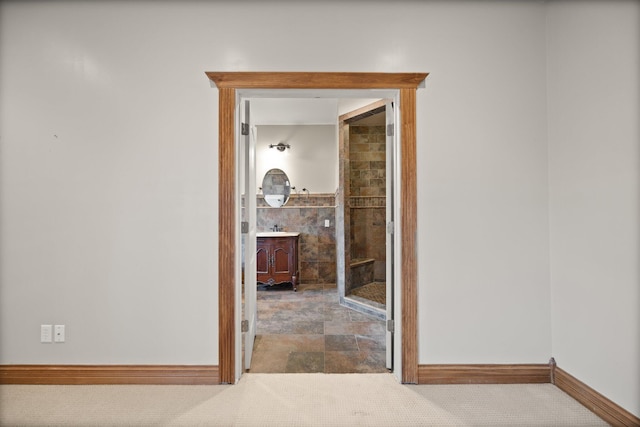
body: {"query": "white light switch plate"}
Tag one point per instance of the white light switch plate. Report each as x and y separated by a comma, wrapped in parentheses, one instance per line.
(46, 333)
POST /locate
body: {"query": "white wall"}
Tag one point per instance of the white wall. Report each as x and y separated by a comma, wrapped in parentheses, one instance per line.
(109, 167)
(482, 185)
(594, 106)
(110, 226)
(108, 185)
(311, 162)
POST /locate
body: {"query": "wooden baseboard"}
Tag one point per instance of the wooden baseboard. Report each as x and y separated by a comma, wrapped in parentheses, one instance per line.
(594, 401)
(109, 374)
(484, 374)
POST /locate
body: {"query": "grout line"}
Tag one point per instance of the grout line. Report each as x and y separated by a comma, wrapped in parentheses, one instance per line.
(326, 307)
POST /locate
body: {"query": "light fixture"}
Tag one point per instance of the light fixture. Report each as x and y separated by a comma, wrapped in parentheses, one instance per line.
(281, 146)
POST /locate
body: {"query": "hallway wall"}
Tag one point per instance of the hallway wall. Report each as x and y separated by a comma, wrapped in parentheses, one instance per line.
(109, 168)
(594, 178)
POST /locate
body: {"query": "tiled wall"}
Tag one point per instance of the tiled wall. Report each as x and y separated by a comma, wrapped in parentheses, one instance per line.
(367, 161)
(306, 214)
(368, 238)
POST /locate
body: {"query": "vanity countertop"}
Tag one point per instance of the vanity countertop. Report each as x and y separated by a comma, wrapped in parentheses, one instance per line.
(277, 234)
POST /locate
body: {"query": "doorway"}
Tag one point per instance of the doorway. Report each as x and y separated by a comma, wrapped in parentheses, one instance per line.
(313, 329)
(229, 83)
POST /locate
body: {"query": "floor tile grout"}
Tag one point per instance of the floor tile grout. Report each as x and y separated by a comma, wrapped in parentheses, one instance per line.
(302, 356)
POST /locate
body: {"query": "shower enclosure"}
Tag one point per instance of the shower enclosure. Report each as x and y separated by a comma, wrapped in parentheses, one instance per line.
(362, 207)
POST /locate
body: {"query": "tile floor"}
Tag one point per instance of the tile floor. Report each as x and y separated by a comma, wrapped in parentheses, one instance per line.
(308, 331)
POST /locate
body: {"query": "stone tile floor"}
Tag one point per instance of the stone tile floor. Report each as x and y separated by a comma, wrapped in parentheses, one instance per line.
(308, 331)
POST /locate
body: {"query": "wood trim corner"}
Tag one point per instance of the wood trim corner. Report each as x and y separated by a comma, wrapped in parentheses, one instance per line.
(109, 374)
(530, 374)
(594, 401)
(484, 374)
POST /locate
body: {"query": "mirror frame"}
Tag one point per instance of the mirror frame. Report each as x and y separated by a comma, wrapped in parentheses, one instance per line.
(271, 192)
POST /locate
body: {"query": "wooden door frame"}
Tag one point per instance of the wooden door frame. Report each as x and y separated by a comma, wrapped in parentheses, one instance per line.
(228, 83)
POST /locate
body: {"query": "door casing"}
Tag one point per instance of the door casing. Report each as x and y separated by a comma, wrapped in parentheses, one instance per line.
(228, 84)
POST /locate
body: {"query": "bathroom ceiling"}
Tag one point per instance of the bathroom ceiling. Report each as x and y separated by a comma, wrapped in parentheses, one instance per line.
(307, 111)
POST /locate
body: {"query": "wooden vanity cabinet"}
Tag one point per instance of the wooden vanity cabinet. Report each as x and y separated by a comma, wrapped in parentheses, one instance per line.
(277, 260)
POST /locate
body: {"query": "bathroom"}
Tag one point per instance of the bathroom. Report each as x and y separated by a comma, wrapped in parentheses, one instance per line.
(324, 326)
(316, 160)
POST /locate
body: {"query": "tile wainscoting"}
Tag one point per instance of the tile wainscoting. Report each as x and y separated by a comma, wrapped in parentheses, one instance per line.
(307, 214)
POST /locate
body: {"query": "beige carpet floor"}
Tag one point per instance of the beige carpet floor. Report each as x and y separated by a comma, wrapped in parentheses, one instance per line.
(294, 400)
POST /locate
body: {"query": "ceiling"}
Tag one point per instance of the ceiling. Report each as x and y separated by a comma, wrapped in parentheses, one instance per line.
(307, 111)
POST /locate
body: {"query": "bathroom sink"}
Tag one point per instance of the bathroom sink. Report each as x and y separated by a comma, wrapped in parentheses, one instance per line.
(277, 234)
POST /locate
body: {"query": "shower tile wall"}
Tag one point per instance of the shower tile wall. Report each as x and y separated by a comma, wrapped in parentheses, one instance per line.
(306, 214)
(367, 161)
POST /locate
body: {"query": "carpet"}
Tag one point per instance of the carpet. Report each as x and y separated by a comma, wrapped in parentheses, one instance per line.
(294, 400)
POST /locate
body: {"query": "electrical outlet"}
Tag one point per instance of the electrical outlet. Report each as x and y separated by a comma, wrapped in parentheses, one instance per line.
(46, 333)
(58, 332)
(327, 222)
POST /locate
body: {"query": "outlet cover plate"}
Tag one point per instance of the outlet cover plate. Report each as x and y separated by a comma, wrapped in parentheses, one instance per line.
(58, 333)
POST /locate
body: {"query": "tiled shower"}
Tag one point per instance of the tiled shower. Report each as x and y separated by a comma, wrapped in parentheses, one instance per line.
(366, 204)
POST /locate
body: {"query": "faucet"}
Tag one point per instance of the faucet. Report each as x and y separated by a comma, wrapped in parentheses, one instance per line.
(276, 228)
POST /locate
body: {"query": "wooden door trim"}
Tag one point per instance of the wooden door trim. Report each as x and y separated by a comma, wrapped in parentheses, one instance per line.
(228, 83)
(363, 111)
(226, 236)
(409, 227)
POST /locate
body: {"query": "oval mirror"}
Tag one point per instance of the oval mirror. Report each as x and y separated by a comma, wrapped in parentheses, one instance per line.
(276, 188)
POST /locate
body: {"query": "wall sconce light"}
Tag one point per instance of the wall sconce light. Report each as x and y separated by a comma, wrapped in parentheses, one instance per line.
(281, 146)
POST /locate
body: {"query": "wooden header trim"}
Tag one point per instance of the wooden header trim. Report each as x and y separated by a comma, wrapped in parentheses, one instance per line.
(109, 374)
(305, 80)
